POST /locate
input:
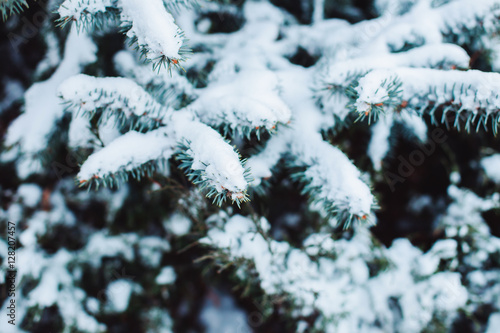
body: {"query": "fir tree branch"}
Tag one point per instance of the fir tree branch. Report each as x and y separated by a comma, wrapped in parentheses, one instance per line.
(149, 26)
(210, 162)
(470, 97)
(88, 14)
(331, 181)
(245, 102)
(120, 98)
(9, 7)
(133, 153)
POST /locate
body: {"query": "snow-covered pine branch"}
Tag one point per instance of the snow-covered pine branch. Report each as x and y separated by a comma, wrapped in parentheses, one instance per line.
(88, 14)
(148, 25)
(471, 97)
(339, 195)
(444, 22)
(208, 160)
(332, 182)
(56, 279)
(246, 102)
(154, 31)
(262, 163)
(335, 78)
(112, 96)
(133, 153)
(490, 166)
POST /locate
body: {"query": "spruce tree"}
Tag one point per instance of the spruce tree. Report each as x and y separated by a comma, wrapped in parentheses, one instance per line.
(250, 166)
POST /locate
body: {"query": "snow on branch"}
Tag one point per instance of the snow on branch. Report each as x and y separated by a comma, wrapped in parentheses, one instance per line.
(176, 5)
(116, 96)
(167, 88)
(333, 183)
(464, 16)
(454, 19)
(246, 103)
(334, 81)
(210, 162)
(133, 153)
(471, 97)
(491, 166)
(56, 287)
(261, 164)
(87, 13)
(154, 31)
(147, 23)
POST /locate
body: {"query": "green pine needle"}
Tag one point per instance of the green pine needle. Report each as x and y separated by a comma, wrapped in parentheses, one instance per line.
(9, 7)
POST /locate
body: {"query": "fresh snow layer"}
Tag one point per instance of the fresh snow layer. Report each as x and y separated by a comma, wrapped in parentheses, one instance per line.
(148, 20)
(379, 142)
(81, 9)
(261, 164)
(126, 153)
(151, 249)
(31, 194)
(336, 179)
(470, 89)
(177, 224)
(89, 93)
(212, 156)
(249, 98)
(493, 323)
(118, 295)
(153, 27)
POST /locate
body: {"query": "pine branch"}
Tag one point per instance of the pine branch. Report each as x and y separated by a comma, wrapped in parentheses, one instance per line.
(133, 153)
(89, 15)
(153, 30)
(148, 25)
(469, 98)
(120, 98)
(262, 163)
(211, 163)
(43, 110)
(166, 88)
(177, 5)
(372, 104)
(342, 194)
(9, 7)
(246, 102)
(196, 176)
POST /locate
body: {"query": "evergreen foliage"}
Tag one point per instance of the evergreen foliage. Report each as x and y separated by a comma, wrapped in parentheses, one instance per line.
(274, 166)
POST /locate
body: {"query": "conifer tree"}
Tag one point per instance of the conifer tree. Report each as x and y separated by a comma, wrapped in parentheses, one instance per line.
(274, 166)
